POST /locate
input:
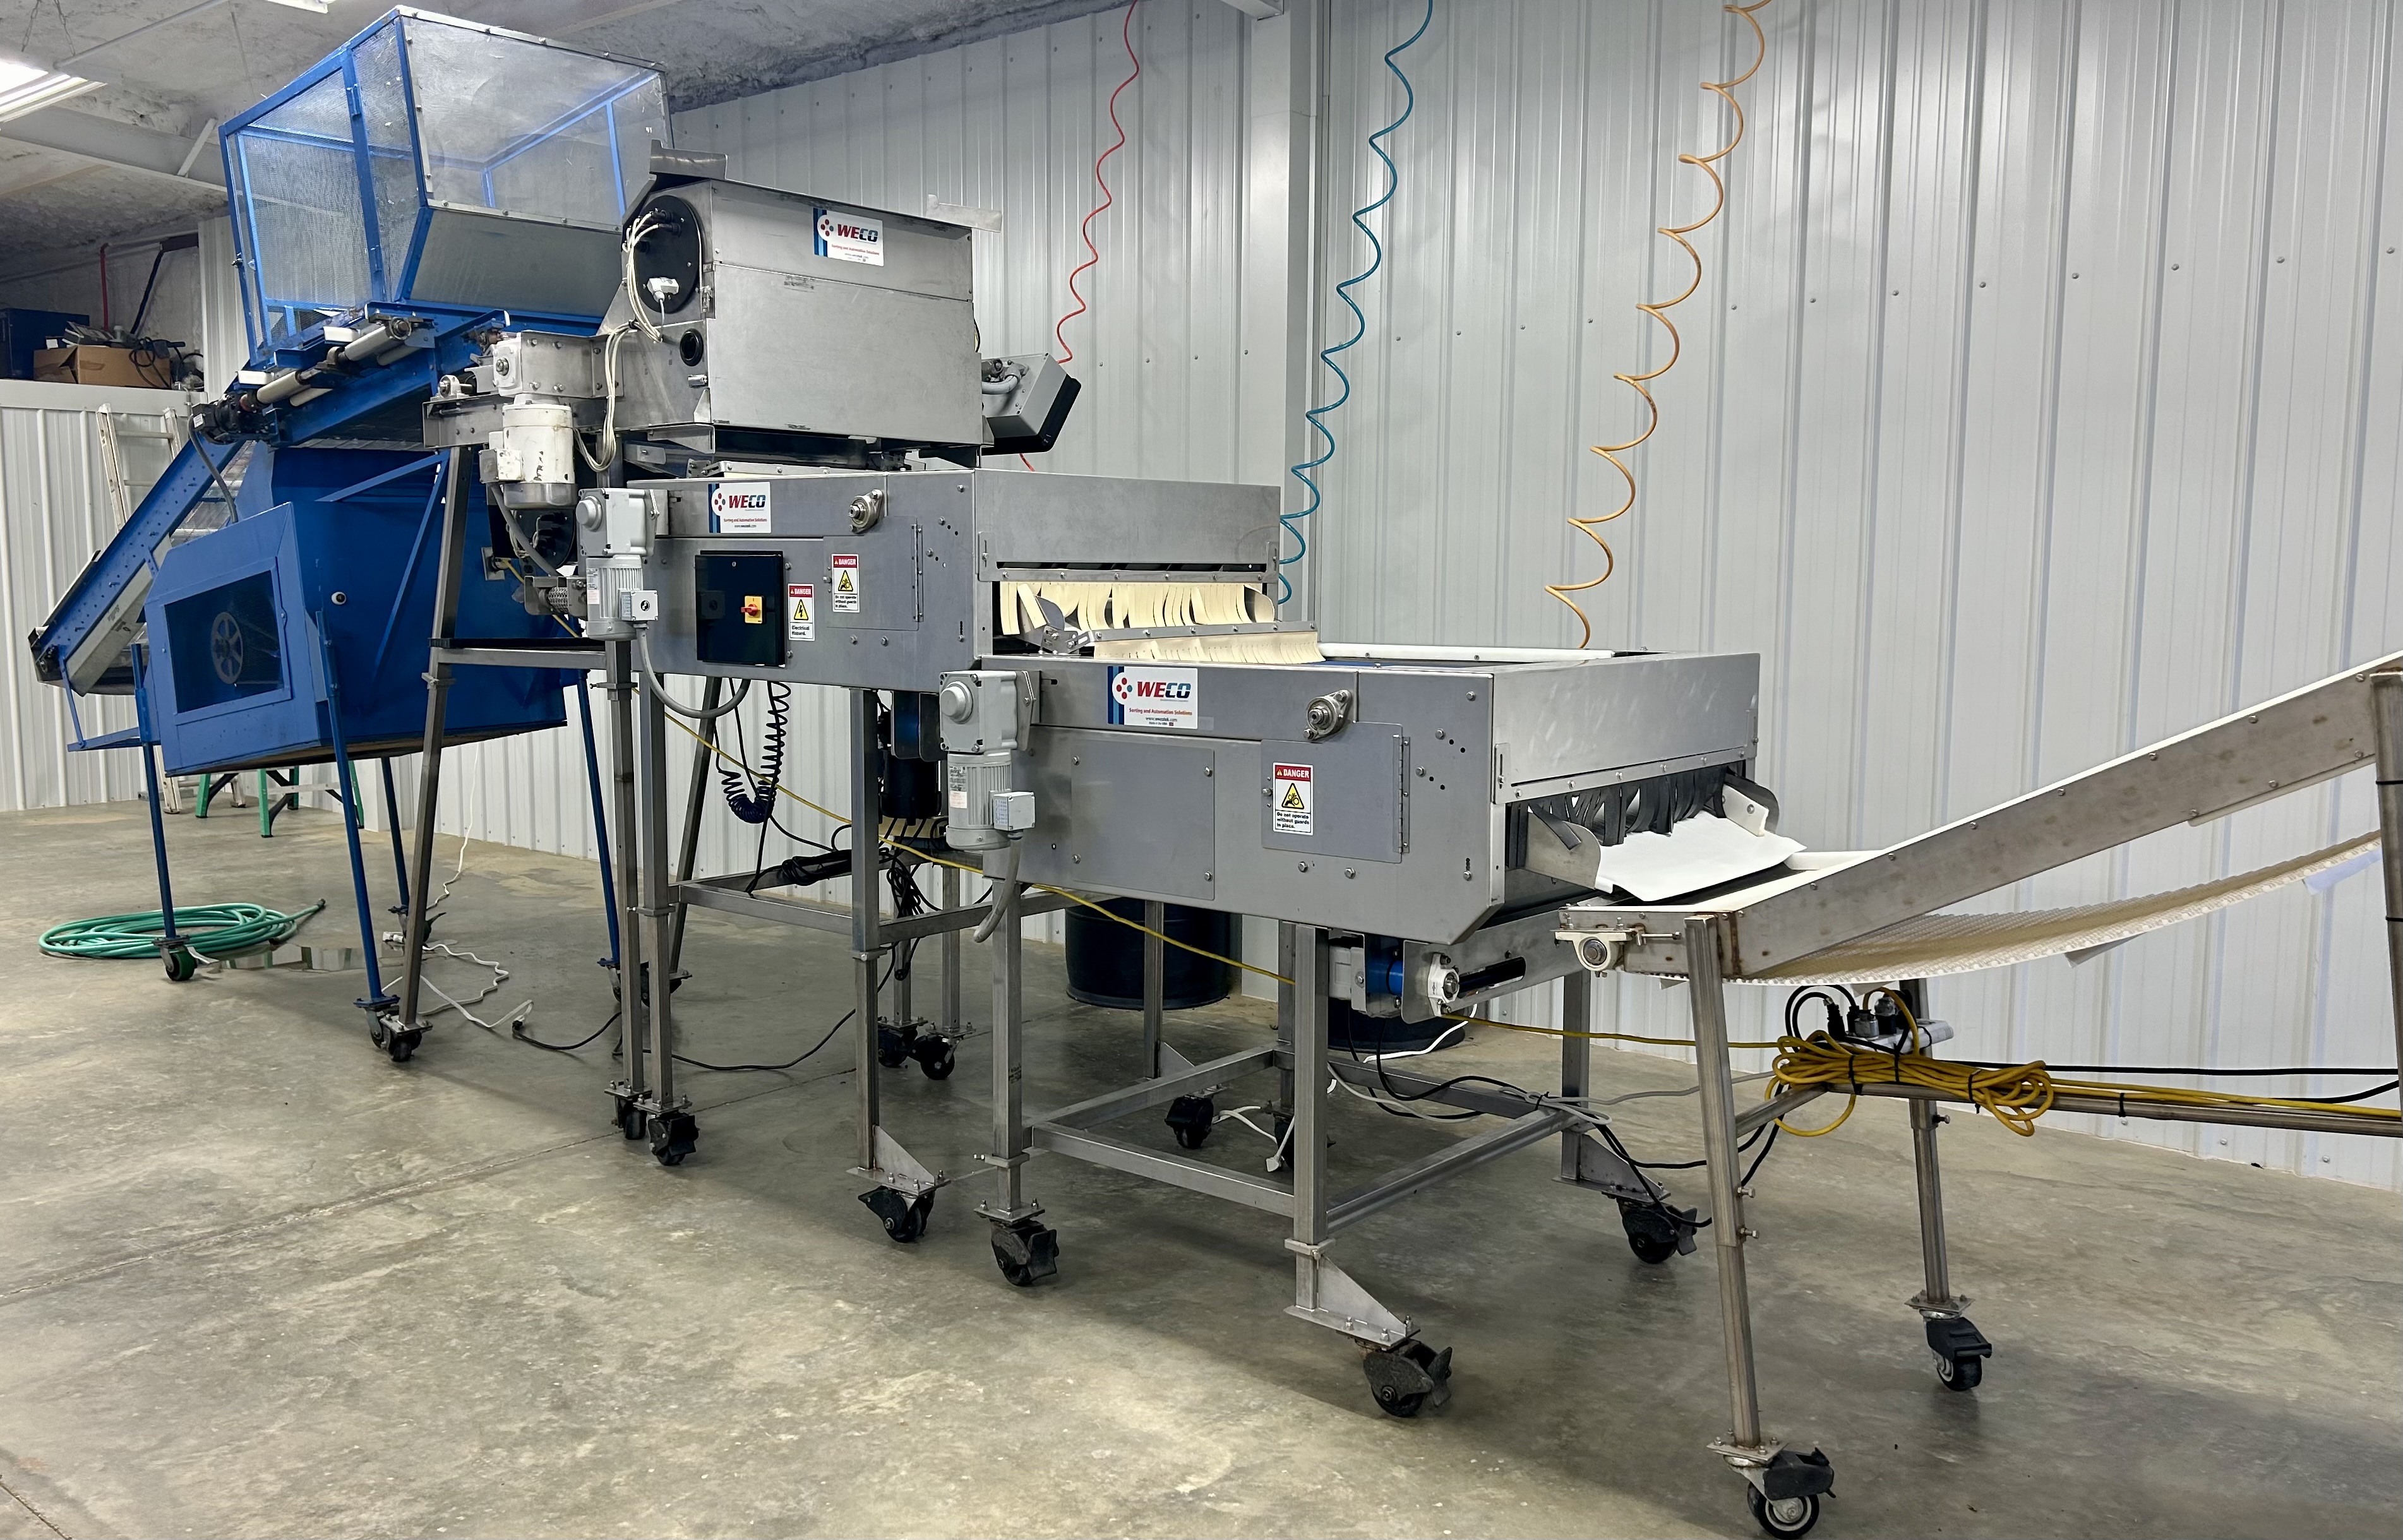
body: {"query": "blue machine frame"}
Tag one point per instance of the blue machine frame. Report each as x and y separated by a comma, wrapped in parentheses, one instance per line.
(299, 621)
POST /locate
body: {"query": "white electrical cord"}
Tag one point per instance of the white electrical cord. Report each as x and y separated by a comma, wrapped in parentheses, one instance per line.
(694, 714)
(606, 455)
(1006, 886)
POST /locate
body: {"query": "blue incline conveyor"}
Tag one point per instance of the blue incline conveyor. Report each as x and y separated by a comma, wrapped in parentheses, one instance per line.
(269, 602)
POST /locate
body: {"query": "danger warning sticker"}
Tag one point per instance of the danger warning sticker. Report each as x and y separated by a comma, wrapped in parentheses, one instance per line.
(802, 617)
(1294, 798)
(846, 585)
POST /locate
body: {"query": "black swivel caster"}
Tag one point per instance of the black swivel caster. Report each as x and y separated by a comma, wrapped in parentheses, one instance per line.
(1192, 1116)
(1785, 1502)
(1961, 1351)
(1407, 1378)
(1783, 1517)
(631, 1121)
(935, 1055)
(894, 1044)
(1026, 1252)
(904, 1217)
(180, 965)
(673, 1136)
(397, 1045)
(1656, 1232)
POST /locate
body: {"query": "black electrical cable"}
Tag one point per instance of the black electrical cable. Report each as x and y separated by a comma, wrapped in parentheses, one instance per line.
(531, 1041)
(771, 1069)
(143, 309)
(1762, 1155)
(1749, 1140)
(752, 794)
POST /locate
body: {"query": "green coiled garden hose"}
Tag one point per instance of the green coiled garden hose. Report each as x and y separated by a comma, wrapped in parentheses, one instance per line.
(212, 930)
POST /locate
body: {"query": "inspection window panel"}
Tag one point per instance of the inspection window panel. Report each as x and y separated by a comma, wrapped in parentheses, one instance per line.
(739, 609)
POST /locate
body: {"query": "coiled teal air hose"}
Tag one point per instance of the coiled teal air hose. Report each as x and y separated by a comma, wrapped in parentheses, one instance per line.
(212, 930)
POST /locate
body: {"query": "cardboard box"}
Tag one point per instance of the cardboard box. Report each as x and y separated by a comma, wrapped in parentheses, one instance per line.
(90, 365)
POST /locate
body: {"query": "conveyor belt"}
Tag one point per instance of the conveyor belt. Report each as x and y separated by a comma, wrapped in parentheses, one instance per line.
(1932, 945)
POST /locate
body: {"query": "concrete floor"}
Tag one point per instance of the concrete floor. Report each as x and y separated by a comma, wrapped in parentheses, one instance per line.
(254, 1279)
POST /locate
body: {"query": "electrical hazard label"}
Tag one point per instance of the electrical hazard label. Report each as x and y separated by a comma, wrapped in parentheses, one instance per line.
(846, 585)
(802, 612)
(1294, 800)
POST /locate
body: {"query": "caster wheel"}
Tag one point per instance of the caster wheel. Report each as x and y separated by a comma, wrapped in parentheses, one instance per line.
(180, 965)
(629, 1119)
(1408, 1378)
(1783, 1517)
(1026, 1252)
(937, 1056)
(1650, 1234)
(893, 1044)
(673, 1136)
(1192, 1116)
(1961, 1351)
(397, 1046)
(904, 1217)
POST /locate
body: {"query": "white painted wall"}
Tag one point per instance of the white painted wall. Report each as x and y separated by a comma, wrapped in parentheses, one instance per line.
(55, 511)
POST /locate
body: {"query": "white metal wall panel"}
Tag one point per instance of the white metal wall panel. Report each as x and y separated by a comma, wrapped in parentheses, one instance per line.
(55, 513)
(2041, 398)
(2032, 406)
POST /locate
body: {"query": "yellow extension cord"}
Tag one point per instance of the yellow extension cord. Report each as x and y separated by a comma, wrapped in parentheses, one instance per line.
(2014, 1097)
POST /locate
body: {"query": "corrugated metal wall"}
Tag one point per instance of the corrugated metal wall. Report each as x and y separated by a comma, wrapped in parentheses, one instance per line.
(55, 510)
(2040, 399)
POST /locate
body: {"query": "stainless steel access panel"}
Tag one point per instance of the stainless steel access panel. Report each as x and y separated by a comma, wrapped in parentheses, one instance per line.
(922, 552)
(1397, 822)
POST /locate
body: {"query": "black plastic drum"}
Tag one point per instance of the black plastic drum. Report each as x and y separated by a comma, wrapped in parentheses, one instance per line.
(1105, 958)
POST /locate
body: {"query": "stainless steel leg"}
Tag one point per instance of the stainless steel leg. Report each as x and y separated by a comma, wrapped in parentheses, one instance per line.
(1705, 984)
(1405, 1375)
(1307, 1149)
(954, 1025)
(1938, 1294)
(2386, 702)
(867, 913)
(633, 1038)
(1577, 1059)
(1010, 1134)
(1286, 1006)
(695, 798)
(1155, 985)
(651, 823)
(429, 778)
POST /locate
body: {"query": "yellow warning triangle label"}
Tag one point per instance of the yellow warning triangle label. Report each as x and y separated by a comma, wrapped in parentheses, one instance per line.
(842, 581)
(1293, 796)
